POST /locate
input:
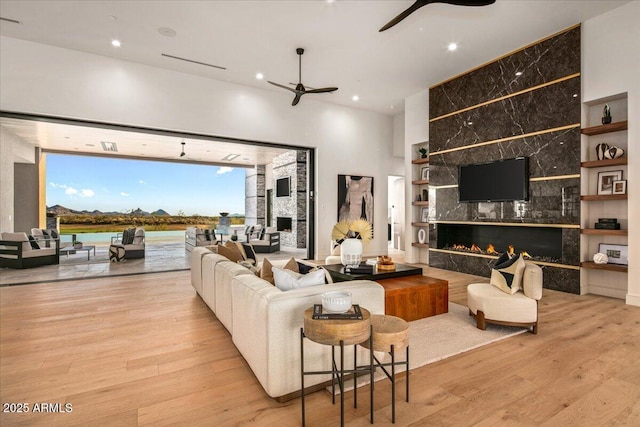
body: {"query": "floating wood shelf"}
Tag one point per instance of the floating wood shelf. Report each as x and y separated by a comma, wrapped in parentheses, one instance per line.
(420, 224)
(603, 197)
(602, 232)
(420, 203)
(420, 182)
(604, 163)
(420, 161)
(600, 129)
(420, 245)
(609, 267)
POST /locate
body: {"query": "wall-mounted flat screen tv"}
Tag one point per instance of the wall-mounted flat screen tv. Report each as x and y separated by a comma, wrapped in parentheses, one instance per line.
(283, 187)
(500, 181)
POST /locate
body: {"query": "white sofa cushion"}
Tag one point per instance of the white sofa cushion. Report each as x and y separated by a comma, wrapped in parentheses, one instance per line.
(209, 263)
(197, 255)
(223, 301)
(286, 280)
(19, 237)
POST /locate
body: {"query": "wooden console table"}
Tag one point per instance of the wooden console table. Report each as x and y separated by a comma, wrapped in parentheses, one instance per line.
(415, 297)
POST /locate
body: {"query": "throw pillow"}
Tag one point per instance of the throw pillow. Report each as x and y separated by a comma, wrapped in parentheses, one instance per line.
(507, 274)
(247, 264)
(138, 236)
(249, 253)
(128, 235)
(286, 280)
(34, 244)
(261, 235)
(266, 272)
(54, 233)
(231, 253)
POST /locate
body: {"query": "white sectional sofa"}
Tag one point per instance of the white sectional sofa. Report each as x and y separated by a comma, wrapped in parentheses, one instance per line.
(265, 322)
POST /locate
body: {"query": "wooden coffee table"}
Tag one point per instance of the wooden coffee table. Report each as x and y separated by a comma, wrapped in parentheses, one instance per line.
(415, 297)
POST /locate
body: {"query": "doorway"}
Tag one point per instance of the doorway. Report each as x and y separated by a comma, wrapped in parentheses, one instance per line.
(396, 210)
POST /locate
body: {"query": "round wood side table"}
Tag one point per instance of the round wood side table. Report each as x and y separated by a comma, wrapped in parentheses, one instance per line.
(338, 333)
(390, 333)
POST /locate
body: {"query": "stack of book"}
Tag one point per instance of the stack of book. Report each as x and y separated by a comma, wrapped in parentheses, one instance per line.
(607, 224)
(319, 313)
(359, 269)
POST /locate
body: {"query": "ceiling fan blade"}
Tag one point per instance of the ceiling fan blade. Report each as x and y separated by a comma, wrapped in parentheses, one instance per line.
(420, 3)
(322, 90)
(283, 86)
(297, 98)
(417, 5)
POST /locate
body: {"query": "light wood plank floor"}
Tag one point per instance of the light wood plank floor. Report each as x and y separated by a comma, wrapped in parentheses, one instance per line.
(145, 350)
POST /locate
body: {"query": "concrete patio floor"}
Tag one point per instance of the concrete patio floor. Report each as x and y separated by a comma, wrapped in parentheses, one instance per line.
(159, 256)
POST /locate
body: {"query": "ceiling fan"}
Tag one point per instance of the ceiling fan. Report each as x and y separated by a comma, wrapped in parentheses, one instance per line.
(419, 3)
(300, 89)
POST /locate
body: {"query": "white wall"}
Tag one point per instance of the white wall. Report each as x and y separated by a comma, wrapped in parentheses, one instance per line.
(611, 65)
(12, 150)
(47, 80)
(416, 129)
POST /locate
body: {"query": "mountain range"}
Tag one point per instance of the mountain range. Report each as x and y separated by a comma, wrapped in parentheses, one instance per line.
(61, 210)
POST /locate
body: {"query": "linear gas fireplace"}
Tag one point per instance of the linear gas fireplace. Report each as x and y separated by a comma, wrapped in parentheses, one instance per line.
(536, 243)
(284, 223)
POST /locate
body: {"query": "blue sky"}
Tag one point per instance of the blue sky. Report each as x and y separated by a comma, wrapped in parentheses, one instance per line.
(109, 184)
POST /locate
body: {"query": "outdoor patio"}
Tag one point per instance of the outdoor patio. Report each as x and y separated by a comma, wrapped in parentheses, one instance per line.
(159, 256)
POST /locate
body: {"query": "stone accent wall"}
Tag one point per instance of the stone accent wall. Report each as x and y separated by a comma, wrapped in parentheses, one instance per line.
(292, 164)
(524, 104)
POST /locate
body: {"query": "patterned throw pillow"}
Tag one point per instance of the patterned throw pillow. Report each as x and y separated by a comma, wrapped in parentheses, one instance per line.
(507, 274)
(34, 244)
(128, 235)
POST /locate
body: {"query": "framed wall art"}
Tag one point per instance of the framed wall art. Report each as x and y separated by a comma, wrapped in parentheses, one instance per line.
(620, 187)
(605, 181)
(618, 254)
(355, 197)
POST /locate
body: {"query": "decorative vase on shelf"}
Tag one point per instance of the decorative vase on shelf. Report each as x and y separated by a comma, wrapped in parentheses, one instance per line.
(351, 252)
(606, 115)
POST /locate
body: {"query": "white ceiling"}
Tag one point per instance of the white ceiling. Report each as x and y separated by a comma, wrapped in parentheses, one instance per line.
(342, 44)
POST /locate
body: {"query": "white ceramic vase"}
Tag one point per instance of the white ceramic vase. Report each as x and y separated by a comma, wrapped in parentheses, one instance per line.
(351, 252)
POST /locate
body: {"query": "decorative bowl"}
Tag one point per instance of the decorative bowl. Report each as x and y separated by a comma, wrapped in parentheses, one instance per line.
(336, 302)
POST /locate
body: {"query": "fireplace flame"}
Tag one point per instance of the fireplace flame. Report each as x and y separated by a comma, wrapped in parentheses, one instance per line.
(525, 254)
(475, 248)
(511, 251)
(491, 250)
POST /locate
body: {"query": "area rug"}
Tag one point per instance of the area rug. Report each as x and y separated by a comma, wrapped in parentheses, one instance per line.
(439, 337)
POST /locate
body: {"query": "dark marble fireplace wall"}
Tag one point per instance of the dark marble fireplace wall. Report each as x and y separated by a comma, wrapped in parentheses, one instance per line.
(493, 113)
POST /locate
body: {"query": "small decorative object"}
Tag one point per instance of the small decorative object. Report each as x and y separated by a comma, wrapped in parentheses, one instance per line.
(620, 187)
(424, 215)
(419, 198)
(605, 181)
(234, 237)
(223, 214)
(423, 152)
(351, 235)
(422, 236)
(424, 173)
(425, 195)
(385, 263)
(77, 244)
(336, 302)
(601, 149)
(600, 258)
(351, 252)
(613, 153)
(617, 254)
(606, 114)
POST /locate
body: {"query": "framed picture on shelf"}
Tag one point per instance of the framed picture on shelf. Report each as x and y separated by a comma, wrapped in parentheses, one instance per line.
(620, 187)
(424, 215)
(424, 173)
(606, 179)
(618, 254)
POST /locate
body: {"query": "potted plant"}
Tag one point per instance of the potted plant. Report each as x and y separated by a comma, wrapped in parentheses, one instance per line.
(234, 237)
(423, 152)
(606, 114)
(77, 244)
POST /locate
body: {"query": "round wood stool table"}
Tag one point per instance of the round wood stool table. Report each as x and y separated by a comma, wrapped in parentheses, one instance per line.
(390, 333)
(338, 333)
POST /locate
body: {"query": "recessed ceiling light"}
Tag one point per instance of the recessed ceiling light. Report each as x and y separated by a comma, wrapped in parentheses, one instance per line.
(167, 32)
(518, 73)
(109, 146)
(355, 97)
(259, 76)
(452, 47)
(116, 43)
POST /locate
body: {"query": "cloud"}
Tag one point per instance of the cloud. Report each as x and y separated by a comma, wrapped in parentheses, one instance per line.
(54, 185)
(223, 170)
(122, 193)
(87, 193)
(142, 182)
(71, 191)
